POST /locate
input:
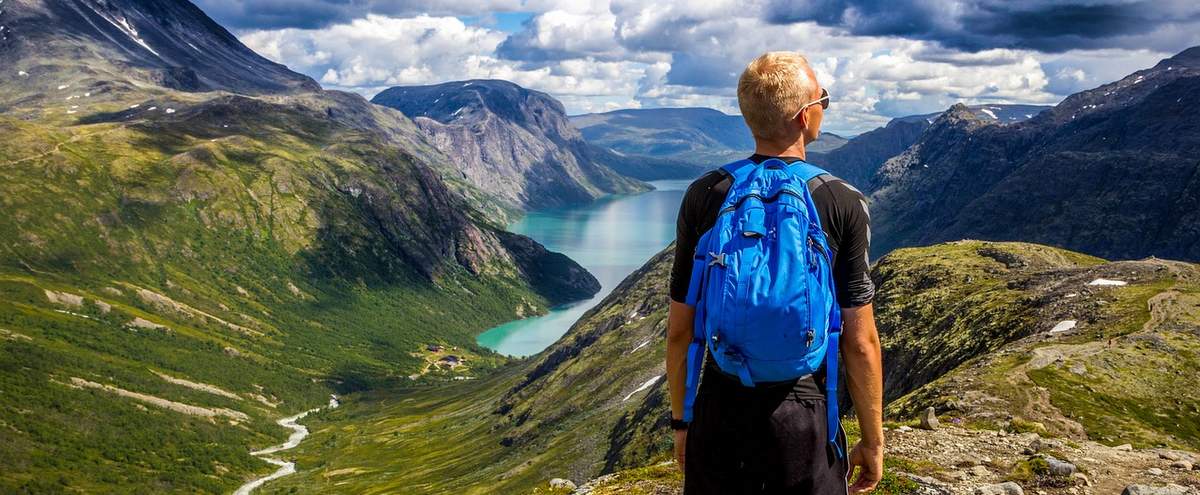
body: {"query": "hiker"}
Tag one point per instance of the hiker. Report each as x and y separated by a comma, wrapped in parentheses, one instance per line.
(757, 292)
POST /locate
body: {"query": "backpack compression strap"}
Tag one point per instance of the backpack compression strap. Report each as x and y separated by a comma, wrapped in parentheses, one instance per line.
(832, 415)
(739, 171)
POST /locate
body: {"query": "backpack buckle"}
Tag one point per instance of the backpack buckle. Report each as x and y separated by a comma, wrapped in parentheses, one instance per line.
(717, 259)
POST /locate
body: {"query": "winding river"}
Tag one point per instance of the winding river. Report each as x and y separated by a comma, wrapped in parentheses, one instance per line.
(299, 432)
(611, 238)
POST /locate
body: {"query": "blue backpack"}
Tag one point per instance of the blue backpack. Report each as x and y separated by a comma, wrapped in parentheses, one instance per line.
(762, 285)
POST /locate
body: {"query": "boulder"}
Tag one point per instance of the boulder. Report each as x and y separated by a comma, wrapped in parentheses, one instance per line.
(929, 419)
(1183, 464)
(562, 483)
(1157, 490)
(1006, 488)
(1060, 468)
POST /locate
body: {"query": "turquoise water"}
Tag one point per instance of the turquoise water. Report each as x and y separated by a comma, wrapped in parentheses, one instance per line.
(611, 238)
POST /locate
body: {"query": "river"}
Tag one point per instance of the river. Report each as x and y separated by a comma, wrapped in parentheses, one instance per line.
(611, 238)
(299, 432)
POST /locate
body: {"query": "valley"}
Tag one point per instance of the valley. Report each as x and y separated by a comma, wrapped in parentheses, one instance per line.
(218, 277)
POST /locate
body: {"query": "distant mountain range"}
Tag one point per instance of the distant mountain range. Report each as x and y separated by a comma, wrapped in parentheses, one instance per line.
(685, 142)
(1113, 171)
(514, 143)
(695, 140)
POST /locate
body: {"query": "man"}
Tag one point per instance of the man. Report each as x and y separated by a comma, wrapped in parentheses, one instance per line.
(771, 438)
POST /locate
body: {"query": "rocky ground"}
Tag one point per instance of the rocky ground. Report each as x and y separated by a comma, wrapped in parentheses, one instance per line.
(952, 460)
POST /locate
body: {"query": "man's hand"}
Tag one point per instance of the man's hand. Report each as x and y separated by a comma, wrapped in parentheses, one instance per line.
(869, 461)
(864, 374)
(681, 447)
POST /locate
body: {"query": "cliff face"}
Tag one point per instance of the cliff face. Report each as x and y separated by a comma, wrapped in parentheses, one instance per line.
(513, 143)
(1110, 172)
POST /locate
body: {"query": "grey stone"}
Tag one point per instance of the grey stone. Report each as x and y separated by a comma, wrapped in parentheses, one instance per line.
(929, 419)
(1156, 490)
(925, 484)
(1154, 472)
(1125, 447)
(1060, 468)
(1169, 455)
(1006, 488)
(562, 483)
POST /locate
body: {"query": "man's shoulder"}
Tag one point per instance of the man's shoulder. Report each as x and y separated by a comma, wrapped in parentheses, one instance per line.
(834, 186)
(714, 181)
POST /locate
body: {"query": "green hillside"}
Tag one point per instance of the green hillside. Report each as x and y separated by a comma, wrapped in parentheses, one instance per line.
(253, 244)
(957, 319)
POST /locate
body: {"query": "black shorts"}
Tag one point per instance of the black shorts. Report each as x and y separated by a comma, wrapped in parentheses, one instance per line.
(760, 440)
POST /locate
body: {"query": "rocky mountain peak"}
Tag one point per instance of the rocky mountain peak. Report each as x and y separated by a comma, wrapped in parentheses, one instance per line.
(130, 43)
(514, 143)
(1186, 58)
(959, 112)
(473, 100)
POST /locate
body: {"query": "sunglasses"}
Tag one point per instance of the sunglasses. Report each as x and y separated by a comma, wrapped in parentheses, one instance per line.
(823, 101)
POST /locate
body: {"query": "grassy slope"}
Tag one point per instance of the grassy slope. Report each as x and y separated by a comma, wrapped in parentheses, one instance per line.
(958, 301)
(286, 290)
(1120, 377)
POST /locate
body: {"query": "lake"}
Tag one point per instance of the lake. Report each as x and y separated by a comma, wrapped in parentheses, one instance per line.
(611, 238)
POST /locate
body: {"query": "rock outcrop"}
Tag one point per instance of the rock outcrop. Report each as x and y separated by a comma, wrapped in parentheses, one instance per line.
(514, 143)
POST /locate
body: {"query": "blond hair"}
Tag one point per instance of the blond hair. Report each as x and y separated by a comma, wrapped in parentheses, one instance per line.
(771, 91)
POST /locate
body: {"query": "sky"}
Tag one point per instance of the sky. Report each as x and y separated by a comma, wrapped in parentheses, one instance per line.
(878, 59)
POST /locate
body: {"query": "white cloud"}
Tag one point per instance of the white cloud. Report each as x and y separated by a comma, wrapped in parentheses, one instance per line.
(599, 55)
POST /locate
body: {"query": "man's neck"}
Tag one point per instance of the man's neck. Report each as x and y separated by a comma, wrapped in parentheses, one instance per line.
(795, 149)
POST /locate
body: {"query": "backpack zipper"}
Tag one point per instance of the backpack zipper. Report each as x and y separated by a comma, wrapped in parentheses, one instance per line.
(771, 199)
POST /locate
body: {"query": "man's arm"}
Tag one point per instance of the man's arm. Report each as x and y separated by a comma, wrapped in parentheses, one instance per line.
(680, 318)
(864, 374)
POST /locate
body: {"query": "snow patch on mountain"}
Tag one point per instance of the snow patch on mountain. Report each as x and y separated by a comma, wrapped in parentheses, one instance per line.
(121, 23)
(644, 386)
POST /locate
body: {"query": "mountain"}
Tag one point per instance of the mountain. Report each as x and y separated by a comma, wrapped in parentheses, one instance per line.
(110, 46)
(1111, 171)
(183, 267)
(684, 142)
(664, 132)
(516, 144)
(859, 159)
(974, 329)
(675, 143)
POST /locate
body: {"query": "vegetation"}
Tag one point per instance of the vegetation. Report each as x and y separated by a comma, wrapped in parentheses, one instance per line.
(256, 247)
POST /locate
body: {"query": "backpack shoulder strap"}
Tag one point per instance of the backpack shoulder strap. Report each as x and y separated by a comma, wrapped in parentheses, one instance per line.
(806, 171)
(739, 170)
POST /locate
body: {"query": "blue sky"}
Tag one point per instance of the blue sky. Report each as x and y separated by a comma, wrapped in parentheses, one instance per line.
(879, 59)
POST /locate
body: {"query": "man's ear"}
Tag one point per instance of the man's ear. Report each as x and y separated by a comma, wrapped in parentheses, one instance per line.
(802, 119)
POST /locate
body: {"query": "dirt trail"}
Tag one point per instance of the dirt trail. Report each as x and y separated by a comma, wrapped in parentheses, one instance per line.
(58, 146)
(1037, 399)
